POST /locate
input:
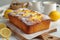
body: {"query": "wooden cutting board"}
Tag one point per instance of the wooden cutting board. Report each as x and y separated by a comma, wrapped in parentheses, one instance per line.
(46, 36)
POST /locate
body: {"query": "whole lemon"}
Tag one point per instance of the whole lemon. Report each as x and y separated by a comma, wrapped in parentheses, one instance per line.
(7, 12)
(54, 15)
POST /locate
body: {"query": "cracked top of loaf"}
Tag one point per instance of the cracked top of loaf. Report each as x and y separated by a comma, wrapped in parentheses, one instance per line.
(27, 16)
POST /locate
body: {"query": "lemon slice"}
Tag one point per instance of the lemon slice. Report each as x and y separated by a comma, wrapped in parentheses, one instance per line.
(5, 32)
(2, 25)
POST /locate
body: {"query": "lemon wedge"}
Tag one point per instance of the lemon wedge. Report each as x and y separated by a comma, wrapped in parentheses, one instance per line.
(2, 25)
(5, 32)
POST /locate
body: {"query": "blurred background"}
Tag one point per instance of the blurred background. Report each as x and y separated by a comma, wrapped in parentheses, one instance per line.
(4, 2)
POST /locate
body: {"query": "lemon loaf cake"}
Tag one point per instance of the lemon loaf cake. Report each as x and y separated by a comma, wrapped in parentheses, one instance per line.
(29, 21)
